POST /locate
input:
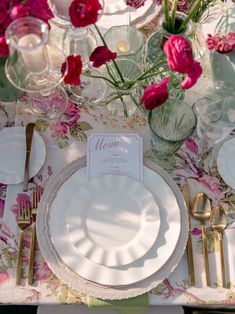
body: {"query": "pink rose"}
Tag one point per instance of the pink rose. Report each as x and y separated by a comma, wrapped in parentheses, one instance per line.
(74, 69)
(19, 11)
(4, 276)
(4, 49)
(59, 128)
(84, 12)
(135, 3)
(193, 75)
(72, 109)
(3, 13)
(155, 95)
(101, 55)
(179, 53)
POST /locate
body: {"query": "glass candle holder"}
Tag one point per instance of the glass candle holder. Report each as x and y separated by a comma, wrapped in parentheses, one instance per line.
(126, 41)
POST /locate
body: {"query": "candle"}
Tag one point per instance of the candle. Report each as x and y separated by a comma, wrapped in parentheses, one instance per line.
(123, 46)
(34, 59)
(62, 7)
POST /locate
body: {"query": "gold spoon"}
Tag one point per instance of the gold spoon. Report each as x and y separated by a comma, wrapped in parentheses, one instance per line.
(201, 210)
(218, 222)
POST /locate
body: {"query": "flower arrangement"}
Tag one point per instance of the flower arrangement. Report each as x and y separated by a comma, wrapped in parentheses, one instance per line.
(11, 10)
(178, 58)
(221, 43)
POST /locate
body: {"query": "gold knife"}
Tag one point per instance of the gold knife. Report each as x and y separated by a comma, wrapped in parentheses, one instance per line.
(191, 274)
(28, 135)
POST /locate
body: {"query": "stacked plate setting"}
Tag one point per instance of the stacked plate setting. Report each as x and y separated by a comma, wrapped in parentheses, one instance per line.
(112, 231)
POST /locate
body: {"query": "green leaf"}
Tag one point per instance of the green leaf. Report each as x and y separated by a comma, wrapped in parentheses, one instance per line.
(41, 125)
(62, 141)
(84, 126)
(78, 134)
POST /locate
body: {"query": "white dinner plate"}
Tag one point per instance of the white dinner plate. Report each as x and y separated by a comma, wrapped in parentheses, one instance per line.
(138, 270)
(13, 154)
(225, 162)
(113, 220)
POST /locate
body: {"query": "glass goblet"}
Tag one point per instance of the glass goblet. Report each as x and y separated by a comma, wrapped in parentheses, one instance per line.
(216, 118)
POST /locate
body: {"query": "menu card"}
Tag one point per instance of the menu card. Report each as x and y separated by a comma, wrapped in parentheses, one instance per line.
(116, 154)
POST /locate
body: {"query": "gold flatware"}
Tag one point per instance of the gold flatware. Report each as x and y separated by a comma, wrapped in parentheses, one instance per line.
(36, 196)
(191, 274)
(201, 210)
(23, 221)
(28, 138)
(218, 222)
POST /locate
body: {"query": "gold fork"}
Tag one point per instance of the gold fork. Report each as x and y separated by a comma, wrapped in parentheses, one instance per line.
(36, 195)
(23, 221)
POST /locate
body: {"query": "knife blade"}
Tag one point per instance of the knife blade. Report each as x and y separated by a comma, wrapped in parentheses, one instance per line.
(28, 139)
(191, 274)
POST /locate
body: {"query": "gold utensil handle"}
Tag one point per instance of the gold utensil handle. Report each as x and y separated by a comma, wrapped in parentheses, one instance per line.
(191, 274)
(32, 254)
(205, 255)
(223, 270)
(19, 258)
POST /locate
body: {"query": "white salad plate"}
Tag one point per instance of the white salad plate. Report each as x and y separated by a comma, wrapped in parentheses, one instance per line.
(113, 220)
(225, 162)
(13, 154)
(139, 269)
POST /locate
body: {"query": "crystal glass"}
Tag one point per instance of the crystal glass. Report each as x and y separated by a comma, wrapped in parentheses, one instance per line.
(121, 100)
(170, 125)
(33, 65)
(78, 41)
(126, 41)
(216, 117)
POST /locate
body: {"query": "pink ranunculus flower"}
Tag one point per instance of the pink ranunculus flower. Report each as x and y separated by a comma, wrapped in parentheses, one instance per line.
(59, 128)
(72, 109)
(179, 53)
(3, 13)
(84, 12)
(4, 49)
(220, 43)
(19, 11)
(193, 75)
(4, 276)
(73, 66)
(101, 55)
(135, 3)
(155, 95)
(40, 9)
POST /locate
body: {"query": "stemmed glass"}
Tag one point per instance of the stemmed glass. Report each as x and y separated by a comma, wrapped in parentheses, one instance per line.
(79, 41)
(215, 118)
(30, 66)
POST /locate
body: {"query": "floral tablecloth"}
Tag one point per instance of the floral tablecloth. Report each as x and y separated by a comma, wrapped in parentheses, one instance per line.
(66, 141)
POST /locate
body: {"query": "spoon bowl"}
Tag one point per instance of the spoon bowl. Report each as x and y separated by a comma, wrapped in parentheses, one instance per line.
(201, 211)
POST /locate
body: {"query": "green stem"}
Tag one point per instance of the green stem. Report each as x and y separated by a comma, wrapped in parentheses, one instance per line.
(105, 44)
(124, 107)
(173, 14)
(100, 77)
(166, 13)
(192, 11)
(110, 74)
(136, 103)
(149, 70)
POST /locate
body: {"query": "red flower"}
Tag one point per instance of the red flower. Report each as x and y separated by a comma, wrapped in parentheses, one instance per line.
(179, 53)
(74, 70)
(193, 75)
(84, 12)
(101, 55)
(40, 9)
(19, 11)
(135, 3)
(221, 44)
(4, 50)
(3, 13)
(155, 95)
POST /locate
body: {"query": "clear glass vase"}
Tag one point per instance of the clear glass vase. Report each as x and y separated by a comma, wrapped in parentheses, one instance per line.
(122, 99)
(170, 125)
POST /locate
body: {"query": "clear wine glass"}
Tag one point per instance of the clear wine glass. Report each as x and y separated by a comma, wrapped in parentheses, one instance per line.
(215, 118)
(79, 41)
